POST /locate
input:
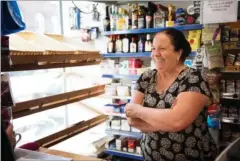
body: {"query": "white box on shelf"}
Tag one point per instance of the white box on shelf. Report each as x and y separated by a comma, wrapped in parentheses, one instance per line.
(123, 91)
(116, 124)
(125, 126)
(133, 129)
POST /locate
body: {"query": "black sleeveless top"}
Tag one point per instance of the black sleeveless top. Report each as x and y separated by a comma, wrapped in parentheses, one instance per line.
(192, 144)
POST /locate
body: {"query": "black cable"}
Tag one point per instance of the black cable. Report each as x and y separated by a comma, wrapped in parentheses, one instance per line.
(94, 8)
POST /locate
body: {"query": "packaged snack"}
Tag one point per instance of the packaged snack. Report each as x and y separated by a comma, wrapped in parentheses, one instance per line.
(223, 85)
(237, 62)
(214, 54)
(238, 87)
(224, 111)
(234, 34)
(225, 34)
(230, 60)
(233, 112)
(230, 86)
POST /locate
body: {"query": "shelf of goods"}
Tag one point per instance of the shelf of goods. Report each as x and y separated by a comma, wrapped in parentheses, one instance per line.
(137, 135)
(231, 101)
(154, 30)
(230, 120)
(231, 75)
(134, 55)
(124, 154)
(31, 51)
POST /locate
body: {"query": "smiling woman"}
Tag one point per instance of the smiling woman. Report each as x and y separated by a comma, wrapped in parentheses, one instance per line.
(169, 104)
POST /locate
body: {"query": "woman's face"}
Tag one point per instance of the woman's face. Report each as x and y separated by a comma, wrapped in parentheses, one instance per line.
(163, 53)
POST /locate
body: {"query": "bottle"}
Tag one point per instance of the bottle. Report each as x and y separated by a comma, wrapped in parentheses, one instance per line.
(118, 45)
(110, 46)
(133, 46)
(135, 17)
(148, 44)
(149, 19)
(129, 18)
(120, 19)
(113, 19)
(107, 21)
(141, 18)
(125, 43)
(141, 45)
(159, 18)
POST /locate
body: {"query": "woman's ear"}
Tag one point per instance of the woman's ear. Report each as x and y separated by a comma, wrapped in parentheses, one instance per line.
(179, 54)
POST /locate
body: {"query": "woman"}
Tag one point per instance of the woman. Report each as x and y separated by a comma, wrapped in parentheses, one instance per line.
(168, 105)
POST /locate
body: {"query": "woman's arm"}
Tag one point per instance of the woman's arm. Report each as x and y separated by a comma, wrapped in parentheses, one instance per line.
(184, 111)
(136, 122)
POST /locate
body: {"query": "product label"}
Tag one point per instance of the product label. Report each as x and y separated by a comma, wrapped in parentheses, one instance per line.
(110, 47)
(140, 47)
(134, 21)
(118, 46)
(133, 48)
(140, 23)
(113, 23)
(125, 45)
(159, 21)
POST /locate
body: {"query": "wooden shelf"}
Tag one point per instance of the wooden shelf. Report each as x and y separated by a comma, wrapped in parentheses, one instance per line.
(231, 75)
(34, 62)
(230, 101)
(41, 104)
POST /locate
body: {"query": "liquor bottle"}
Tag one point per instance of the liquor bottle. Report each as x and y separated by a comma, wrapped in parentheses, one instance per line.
(159, 18)
(110, 46)
(129, 18)
(119, 44)
(125, 43)
(120, 20)
(141, 18)
(135, 17)
(148, 44)
(133, 46)
(141, 45)
(107, 20)
(149, 19)
(113, 19)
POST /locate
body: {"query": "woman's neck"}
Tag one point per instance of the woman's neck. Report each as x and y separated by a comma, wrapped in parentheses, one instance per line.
(171, 72)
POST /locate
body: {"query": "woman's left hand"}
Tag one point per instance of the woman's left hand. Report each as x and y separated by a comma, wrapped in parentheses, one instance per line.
(132, 109)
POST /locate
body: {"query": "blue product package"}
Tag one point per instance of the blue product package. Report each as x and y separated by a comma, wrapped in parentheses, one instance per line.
(11, 19)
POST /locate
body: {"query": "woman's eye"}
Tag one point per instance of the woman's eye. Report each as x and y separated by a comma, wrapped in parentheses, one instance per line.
(153, 48)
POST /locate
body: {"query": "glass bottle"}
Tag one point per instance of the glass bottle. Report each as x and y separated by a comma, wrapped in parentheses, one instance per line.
(119, 45)
(120, 19)
(110, 46)
(149, 19)
(133, 46)
(159, 18)
(135, 17)
(107, 20)
(113, 19)
(129, 18)
(141, 18)
(125, 43)
(141, 45)
(148, 44)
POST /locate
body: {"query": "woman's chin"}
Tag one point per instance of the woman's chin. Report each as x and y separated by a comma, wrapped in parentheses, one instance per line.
(160, 66)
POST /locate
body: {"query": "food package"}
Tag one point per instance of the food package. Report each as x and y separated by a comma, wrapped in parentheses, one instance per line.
(230, 86)
(215, 57)
(230, 59)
